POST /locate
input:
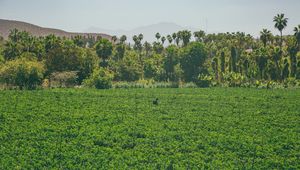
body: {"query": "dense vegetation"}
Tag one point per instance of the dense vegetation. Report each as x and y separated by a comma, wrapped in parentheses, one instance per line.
(216, 128)
(226, 59)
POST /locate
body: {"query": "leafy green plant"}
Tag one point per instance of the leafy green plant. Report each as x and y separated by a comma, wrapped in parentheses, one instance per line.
(23, 73)
(100, 79)
(204, 81)
(63, 79)
(217, 128)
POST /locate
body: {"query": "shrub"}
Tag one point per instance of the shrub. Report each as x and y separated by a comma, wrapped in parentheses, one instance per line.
(234, 79)
(204, 81)
(23, 73)
(291, 82)
(46, 83)
(63, 79)
(100, 79)
(189, 85)
(146, 84)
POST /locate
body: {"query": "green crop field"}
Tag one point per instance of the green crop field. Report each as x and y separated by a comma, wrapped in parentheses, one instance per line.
(214, 128)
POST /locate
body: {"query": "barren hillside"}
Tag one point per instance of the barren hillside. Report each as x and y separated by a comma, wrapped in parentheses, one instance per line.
(7, 25)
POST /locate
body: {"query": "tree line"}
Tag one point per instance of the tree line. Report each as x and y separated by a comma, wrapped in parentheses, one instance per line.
(233, 58)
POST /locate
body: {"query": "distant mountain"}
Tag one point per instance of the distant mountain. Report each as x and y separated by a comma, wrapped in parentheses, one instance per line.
(149, 31)
(7, 25)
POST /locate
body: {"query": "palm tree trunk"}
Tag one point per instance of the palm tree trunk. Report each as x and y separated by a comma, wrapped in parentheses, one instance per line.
(280, 40)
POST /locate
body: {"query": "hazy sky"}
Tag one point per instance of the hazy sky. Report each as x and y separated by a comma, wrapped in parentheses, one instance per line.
(249, 16)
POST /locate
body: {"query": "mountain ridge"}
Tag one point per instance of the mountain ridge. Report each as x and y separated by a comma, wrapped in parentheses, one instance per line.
(35, 30)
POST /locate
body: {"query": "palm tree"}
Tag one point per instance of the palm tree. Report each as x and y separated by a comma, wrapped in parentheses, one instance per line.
(280, 24)
(14, 35)
(147, 47)
(137, 42)
(114, 38)
(265, 36)
(163, 39)
(199, 35)
(174, 36)
(297, 35)
(185, 36)
(170, 39)
(123, 38)
(157, 35)
(275, 55)
(141, 36)
(135, 38)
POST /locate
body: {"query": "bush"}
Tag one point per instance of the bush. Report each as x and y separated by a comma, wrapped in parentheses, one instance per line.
(291, 82)
(23, 73)
(146, 84)
(204, 81)
(100, 79)
(63, 79)
(234, 79)
(189, 85)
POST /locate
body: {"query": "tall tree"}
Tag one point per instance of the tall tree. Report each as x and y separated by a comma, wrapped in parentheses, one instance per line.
(265, 36)
(185, 36)
(215, 67)
(104, 49)
(199, 35)
(79, 41)
(148, 48)
(114, 39)
(174, 36)
(280, 24)
(222, 59)
(292, 48)
(261, 56)
(192, 61)
(163, 39)
(157, 36)
(276, 56)
(137, 42)
(297, 35)
(233, 59)
(170, 60)
(123, 38)
(170, 39)
(141, 37)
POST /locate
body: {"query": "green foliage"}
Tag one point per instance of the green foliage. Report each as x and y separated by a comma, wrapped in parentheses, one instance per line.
(65, 56)
(88, 62)
(79, 41)
(104, 49)
(265, 36)
(63, 79)
(185, 36)
(171, 59)
(22, 72)
(153, 67)
(101, 78)
(192, 61)
(129, 68)
(275, 59)
(261, 57)
(233, 59)
(204, 81)
(216, 128)
(158, 47)
(145, 84)
(232, 79)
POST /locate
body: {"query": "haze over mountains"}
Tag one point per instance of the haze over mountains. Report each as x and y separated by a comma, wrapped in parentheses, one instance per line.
(149, 31)
(7, 25)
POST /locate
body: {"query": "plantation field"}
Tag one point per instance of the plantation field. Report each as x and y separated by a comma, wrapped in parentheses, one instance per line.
(214, 128)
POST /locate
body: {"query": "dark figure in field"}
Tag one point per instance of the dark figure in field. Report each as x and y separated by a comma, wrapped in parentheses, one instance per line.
(155, 102)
